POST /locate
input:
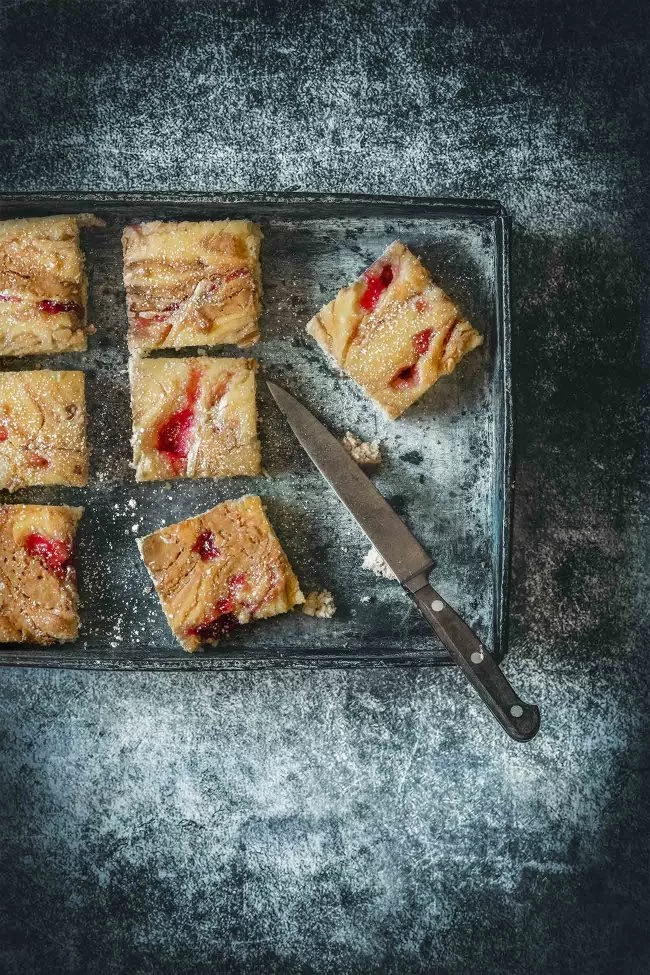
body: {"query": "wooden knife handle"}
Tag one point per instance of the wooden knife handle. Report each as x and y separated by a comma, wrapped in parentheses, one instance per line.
(519, 719)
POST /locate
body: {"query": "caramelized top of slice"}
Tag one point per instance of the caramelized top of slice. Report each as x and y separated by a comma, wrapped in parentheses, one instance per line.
(192, 283)
(218, 570)
(42, 284)
(38, 597)
(394, 331)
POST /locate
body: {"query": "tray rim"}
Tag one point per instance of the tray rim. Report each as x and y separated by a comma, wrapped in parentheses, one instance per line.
(61, 657)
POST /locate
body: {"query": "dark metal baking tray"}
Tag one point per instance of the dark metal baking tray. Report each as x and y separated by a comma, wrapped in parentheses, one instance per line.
(447, 461)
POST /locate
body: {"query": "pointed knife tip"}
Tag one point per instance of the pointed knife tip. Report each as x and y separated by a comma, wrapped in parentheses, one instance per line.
(280, 395)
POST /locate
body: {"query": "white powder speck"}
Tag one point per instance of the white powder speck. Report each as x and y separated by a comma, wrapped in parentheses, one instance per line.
(374, 563)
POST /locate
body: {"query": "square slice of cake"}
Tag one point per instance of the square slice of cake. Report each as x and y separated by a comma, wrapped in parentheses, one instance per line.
(194, 418)
(191, 284)
(219, 570)
(38, 582)
(42, 429)
(43, 285)
(393, 331)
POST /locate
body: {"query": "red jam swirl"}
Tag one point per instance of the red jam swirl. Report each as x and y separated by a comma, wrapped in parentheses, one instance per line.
(218, 280)
(53, 554)
(408, 376)
(160, 316)
(215, 628)
(376, 284)
(240, 272)
(36, 460)
(422, 341)
(174, 437)
(144, 320)
(405, 378)
(206, 546)
(223, 619)
(51, 307)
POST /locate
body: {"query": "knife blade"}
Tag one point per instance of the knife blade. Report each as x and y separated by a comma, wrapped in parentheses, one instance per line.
(410, 563)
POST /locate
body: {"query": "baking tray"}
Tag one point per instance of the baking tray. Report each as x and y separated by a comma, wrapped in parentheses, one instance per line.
(447, 461)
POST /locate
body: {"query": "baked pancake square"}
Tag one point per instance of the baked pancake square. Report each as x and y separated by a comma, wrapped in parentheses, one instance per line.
(42, 429)
(191, 284)
(219, 570)
(393, 331)
(43, 285)
(38, 583)
(194, 418)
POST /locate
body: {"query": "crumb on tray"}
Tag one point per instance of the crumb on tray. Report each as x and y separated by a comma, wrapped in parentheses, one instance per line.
(319, 604)
(366, 453)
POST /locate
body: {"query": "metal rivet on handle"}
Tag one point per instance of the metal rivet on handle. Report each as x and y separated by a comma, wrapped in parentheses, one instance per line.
(477, 657)
(437, 605)
(516, 711)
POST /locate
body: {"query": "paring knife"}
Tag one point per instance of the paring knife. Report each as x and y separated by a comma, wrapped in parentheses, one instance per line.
(410, 563)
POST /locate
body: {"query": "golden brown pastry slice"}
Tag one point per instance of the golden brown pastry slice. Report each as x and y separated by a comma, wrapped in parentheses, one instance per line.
(190, 284)
(42, 429)
(38, 583)
(194, 418)
(219, 570)
(43, 285)
(393, 331)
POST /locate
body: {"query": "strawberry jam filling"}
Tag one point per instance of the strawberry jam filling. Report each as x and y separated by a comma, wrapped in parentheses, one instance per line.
(215, 628)
(422, 341)
(240, 272)
(4, 433)
(218, 281)
(223, 619)
(51, 307)
(144, 319)
(236, 582)
(53, 554)
(206, 546)
(376, 284)
(408, 376)
(405, 378)
(36, 460)
(175, 434)
(161, 316)
(269, 595)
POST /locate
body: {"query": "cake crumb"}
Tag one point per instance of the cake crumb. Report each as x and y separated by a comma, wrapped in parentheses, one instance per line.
(319, 604)
(374, 563)
(366, 453)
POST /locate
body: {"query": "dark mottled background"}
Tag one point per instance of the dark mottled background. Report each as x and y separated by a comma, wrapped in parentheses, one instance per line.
(367, 822)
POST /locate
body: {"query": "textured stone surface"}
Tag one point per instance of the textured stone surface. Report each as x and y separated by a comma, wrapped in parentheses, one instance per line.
(300, 822)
